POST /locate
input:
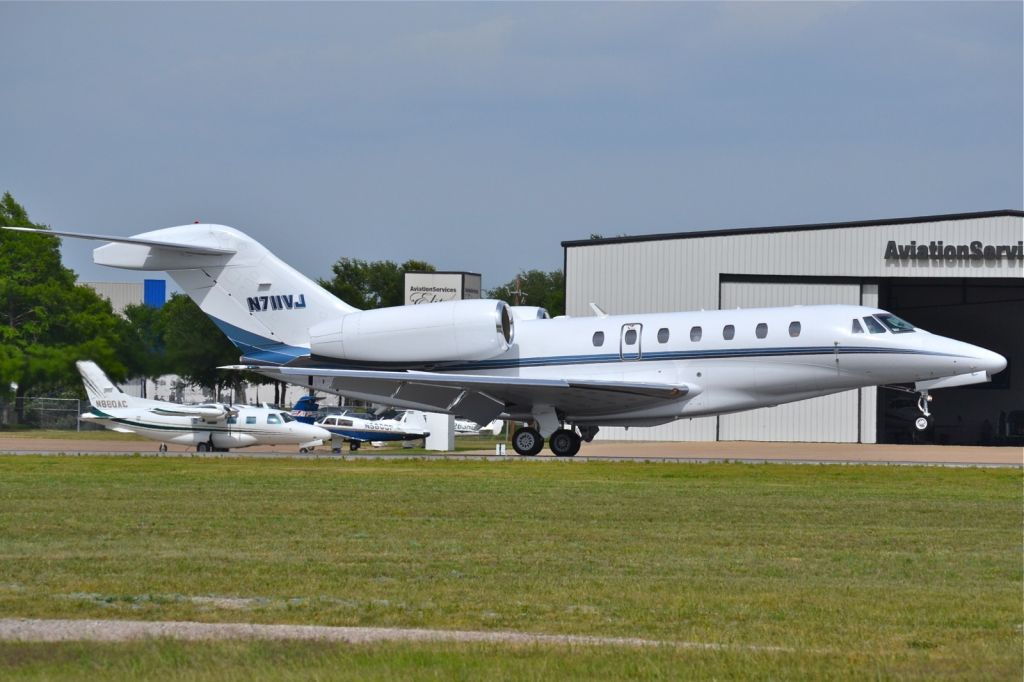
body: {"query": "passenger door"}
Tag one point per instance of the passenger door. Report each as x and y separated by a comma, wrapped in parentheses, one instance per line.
(629, 342)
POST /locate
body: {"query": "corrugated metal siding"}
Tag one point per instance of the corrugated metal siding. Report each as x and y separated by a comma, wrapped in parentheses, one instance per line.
(831, 419)
(684, 274)
(120, 294)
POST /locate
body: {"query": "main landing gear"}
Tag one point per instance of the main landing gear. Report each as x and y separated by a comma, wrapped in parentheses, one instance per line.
(563, 442)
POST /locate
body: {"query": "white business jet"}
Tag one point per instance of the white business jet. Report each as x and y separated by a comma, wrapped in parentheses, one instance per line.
(210, 427)
(482, 359)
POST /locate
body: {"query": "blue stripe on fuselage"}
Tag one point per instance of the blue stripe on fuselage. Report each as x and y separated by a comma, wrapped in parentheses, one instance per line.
(607, 358)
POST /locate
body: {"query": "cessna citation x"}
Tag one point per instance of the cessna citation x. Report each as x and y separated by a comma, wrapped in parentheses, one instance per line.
(210, 427)
(483, 359)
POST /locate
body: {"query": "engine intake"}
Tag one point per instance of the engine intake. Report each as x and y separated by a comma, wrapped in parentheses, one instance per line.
(432, 332)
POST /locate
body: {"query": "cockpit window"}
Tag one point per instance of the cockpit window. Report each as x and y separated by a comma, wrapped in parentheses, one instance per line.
(874, 326)
(287, 417)
(895, 324)
(857, 329)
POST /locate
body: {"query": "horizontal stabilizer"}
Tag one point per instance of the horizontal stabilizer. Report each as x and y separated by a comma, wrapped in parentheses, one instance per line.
(175, 246)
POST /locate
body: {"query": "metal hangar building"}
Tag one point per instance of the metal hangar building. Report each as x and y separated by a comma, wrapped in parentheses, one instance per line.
(959, 275)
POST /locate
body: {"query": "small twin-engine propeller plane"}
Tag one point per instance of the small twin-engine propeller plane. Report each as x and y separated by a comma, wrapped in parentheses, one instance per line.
(210, 427)
(357, 430)
(482, 359)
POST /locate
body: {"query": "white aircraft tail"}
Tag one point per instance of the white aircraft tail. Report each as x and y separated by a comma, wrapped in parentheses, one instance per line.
(264, 306)
(102, 392)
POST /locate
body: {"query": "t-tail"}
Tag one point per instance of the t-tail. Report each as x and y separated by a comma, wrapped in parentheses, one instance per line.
(264, 306)
(103, 394)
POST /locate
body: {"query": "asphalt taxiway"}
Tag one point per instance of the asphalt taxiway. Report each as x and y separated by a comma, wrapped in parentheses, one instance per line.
(723, 451)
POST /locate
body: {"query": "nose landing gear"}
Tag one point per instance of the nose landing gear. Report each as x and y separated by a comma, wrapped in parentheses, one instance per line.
(925, 420)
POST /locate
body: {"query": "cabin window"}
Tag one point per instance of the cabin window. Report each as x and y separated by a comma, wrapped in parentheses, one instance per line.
(273, 419)
(345, 422)
(598, 338)
(663, 335)
(695, 333)
(857, 329)
(232, 420)
(794, 329)
(761, 330)
(630, 337)
(728, 332)
(250, 420)
(874, 326)
(895, 324)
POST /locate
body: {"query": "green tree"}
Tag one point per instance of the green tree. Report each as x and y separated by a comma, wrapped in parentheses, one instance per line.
(47, 321)
(195, 347)
(371, 284)
(147, 326)
(534, 287)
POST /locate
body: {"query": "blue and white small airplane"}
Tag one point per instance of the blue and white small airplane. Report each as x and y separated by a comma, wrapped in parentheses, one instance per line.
(356, 429)
(209, 427)
(483, 359)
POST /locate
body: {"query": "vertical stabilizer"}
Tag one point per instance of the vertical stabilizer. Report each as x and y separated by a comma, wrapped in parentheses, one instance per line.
(102, 392)
(264, 306)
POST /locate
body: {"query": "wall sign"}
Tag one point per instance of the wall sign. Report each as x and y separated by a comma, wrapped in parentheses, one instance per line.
(433, 287)
(939, 250)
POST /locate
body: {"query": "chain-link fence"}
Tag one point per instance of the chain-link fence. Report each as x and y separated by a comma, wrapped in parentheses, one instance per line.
(44, 413)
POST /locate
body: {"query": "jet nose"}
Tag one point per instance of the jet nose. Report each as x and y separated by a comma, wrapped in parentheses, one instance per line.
(991, 362)
(982, 359)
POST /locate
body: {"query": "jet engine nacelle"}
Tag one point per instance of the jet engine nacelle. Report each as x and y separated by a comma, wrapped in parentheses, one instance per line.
(432, 332)
(529, 312)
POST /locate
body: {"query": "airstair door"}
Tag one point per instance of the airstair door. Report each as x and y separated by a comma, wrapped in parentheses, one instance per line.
(629, 342)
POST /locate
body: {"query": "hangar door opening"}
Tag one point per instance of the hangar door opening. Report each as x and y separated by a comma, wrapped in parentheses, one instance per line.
(985, 312)
(830, 419)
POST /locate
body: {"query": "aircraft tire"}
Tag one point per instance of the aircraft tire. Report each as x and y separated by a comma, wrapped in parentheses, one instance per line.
(922, 423)
(353, 445)
(303, 451)
(527, 441)
(202, 447)
(564, 443)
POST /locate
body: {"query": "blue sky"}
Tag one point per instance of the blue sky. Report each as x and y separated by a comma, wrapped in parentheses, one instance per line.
(479, 136)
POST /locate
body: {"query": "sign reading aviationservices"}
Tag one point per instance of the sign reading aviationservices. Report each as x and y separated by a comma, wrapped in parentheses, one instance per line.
(433, 287)
(939, 250)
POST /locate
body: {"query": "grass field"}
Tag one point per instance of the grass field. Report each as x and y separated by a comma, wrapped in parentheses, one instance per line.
(853, 571)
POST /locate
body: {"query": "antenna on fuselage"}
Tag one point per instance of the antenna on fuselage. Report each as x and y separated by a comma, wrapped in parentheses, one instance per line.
(597, 310)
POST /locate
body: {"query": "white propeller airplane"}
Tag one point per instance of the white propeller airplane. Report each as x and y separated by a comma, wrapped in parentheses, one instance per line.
(466, 427)
(210, 427)
(357, 429)
(482, 359)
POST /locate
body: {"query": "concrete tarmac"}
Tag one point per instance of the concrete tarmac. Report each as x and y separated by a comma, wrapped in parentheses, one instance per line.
(745, 451)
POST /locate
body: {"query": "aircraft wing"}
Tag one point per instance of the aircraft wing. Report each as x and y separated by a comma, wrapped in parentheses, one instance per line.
(480, 397)
(204, 411)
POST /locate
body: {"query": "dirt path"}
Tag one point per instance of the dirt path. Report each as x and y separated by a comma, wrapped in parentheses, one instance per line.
(57, 630)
